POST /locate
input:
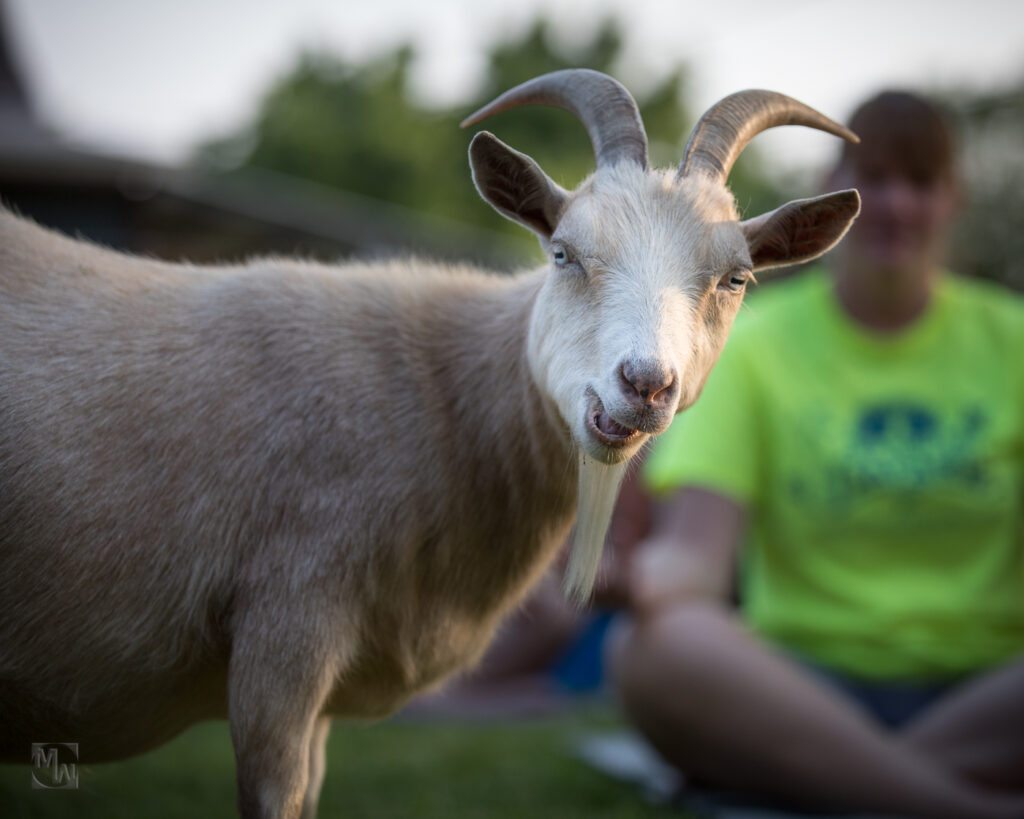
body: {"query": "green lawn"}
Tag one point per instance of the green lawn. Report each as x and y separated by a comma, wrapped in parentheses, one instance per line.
(397, 769)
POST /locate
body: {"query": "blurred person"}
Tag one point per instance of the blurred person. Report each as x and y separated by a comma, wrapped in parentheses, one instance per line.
(862, 437)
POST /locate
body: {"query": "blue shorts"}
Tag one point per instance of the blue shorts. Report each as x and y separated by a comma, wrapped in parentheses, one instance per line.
(580, 667)
(893, 703)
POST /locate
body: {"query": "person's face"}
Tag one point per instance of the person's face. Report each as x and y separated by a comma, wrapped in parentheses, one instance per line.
(905, 214)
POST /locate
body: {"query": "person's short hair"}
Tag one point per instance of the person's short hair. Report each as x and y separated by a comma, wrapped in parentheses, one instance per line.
(906, 129)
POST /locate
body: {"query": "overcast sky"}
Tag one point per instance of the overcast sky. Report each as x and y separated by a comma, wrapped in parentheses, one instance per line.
(152, 77)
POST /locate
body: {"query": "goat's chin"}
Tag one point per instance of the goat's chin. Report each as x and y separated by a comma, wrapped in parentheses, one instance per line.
(598, 488)
(610, 456)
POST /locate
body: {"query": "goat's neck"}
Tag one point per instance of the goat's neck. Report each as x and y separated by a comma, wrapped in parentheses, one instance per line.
(512, 465)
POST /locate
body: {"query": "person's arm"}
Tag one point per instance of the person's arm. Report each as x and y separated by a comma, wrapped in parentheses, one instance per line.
(691, 552)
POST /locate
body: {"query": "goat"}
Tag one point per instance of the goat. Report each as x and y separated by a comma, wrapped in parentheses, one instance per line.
(283, 491)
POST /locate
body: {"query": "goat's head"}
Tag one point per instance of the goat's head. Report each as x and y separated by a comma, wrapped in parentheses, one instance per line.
(648, 267)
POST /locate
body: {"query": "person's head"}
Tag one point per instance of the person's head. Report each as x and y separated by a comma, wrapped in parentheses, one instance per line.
(905, 169)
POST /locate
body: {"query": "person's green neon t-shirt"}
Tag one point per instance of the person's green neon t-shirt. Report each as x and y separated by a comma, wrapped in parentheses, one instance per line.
(884, 476)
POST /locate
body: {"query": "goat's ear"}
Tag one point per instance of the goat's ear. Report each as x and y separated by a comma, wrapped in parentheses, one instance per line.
(515, 185)
(801, 230)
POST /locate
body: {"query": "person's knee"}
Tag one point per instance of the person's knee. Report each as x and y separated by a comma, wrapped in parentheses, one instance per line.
(666, 652)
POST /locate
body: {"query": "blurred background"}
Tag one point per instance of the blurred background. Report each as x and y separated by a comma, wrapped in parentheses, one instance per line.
(221, 129)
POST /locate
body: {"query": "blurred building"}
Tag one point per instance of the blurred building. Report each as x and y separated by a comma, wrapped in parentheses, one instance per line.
(176, 213)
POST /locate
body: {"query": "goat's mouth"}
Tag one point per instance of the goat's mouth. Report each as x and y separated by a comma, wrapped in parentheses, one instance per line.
(605, 429)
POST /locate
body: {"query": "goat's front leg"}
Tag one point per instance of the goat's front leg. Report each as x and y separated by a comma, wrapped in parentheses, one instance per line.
(276, 692)
(317, 766)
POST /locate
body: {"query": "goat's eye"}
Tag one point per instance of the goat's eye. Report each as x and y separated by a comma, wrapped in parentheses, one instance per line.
(561, 256)
(735, 280)
(565, 258)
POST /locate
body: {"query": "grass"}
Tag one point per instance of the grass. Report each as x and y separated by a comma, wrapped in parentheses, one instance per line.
(395, 769)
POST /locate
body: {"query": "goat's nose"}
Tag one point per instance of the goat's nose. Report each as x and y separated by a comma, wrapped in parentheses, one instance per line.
(647, 383)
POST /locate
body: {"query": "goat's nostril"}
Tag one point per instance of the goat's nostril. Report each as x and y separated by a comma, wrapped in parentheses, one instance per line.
(650, 383)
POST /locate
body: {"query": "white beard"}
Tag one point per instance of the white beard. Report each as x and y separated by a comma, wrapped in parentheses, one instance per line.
(598, 490)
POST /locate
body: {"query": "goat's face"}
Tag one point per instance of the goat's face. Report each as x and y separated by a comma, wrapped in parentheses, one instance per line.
(646, 276)
(648, 268)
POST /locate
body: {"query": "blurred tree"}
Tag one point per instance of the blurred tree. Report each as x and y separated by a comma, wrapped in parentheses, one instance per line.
(356, 127)
(989, 238)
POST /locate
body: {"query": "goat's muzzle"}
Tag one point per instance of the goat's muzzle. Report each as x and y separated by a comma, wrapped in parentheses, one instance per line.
(650, 390)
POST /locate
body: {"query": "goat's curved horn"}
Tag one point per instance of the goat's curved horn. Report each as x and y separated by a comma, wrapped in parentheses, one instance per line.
(724, 131)
(602, 104)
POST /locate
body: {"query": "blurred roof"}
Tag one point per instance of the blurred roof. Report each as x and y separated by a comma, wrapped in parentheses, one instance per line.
(176, 212)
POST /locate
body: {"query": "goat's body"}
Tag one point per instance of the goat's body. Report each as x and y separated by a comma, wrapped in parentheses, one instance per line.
(284, 490)
(193, 460)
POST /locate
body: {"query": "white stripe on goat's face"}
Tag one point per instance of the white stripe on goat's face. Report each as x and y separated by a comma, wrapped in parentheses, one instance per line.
(646, 277)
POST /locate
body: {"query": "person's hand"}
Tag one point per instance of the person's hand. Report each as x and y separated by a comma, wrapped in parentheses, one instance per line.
(666, 572)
